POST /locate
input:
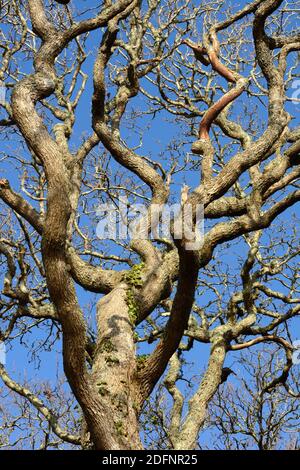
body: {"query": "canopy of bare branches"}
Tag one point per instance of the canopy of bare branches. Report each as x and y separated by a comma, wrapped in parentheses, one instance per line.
(158, 102)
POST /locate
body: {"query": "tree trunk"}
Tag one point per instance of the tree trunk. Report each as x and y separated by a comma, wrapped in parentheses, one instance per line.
(114, 366)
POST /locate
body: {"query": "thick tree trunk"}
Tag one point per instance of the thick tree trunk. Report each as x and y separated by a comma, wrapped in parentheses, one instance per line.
(114, 366)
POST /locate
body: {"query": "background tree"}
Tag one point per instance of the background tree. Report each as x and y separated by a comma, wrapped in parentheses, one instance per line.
(249, 416)
(218, 79)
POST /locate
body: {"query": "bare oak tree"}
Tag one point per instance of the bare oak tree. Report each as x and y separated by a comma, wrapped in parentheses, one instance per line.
(221, 77)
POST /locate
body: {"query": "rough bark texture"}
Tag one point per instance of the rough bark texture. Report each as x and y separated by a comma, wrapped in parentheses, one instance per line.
(110, 382)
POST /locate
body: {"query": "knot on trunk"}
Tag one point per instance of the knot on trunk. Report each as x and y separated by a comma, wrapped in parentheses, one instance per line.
(43, 86)
(201, 147)
(4, 184)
